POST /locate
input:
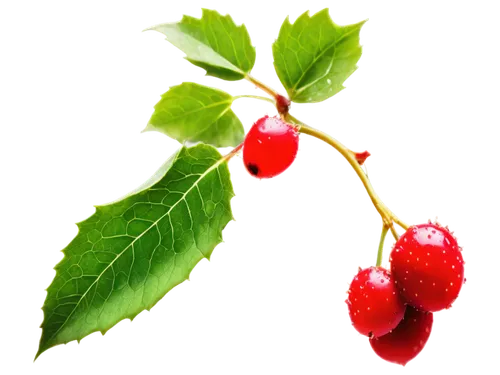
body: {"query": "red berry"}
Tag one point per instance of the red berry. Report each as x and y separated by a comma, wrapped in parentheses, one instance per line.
(270, 147)
(407, 340)
(428, 267)
(375, 306)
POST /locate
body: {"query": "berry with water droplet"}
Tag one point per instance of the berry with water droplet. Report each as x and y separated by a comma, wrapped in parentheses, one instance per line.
(407, 340)
(375, 306)
(270, 147)
(427, 266)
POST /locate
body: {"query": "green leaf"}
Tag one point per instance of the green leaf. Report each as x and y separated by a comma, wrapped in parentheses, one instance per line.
(213, 43)
(314, 56)
(196, 113)
(129, 253)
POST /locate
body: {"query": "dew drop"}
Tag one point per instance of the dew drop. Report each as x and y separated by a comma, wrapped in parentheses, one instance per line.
(329, 81)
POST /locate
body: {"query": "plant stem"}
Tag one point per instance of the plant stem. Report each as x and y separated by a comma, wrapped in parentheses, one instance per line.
(253, 96)
(381, 244)
(387, 215)
(233, 152)
(262, 86)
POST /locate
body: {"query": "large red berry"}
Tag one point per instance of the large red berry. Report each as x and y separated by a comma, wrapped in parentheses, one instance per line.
(407, 340)
(427, 266)
(270, 147)
(375, 306)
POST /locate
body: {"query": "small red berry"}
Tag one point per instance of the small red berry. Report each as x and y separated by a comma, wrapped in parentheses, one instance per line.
(407, 340)
(428, 267)
(375, 306)
(270, 147)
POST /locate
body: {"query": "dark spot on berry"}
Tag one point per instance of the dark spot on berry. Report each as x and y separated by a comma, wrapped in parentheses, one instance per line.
(253, 169)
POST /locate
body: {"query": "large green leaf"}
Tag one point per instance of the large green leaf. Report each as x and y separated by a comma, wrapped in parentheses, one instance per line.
(129, 253)
(213, 43)
(314, 56)
(196, 113)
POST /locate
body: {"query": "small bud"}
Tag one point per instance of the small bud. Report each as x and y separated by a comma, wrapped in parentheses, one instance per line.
(283, 104)
(362, 156)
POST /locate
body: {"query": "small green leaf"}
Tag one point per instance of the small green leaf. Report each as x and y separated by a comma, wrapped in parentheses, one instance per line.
(213, 43)
(314, 56)
(129, 253)
(196, 113)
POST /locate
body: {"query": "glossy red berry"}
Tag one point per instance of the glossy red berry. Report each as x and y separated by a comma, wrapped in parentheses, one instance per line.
(428, 267)
(407, 340)
(375, 306)
(270, 147)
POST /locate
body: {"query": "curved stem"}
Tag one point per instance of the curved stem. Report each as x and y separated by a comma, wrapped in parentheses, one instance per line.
(255, 96)
(233, 152)
(262, 86)
(381, 244)
(387, 215)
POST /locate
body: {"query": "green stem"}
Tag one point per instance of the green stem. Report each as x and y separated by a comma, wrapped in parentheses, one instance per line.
(255, 96)
(262, 86)
(381, 244)
(388, 217)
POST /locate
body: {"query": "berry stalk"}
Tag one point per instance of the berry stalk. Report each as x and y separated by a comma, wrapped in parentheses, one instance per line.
(388, 217)
(385, 228)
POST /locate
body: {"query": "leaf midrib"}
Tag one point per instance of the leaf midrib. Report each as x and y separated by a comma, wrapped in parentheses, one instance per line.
(295, 92)
(214, 166)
